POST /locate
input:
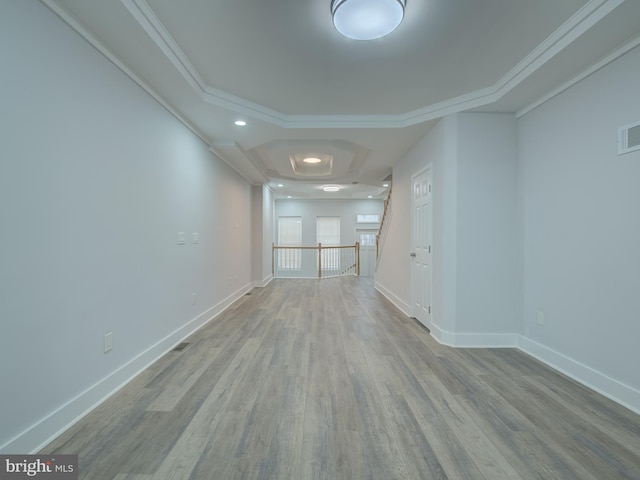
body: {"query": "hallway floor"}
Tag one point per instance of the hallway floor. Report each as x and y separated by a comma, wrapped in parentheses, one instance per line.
(309, 379)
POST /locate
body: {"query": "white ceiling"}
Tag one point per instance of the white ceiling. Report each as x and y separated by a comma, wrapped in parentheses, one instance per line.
(304, 89)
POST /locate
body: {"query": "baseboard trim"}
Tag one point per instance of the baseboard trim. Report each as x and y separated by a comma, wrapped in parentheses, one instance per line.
(441, 336)
(474, 340)
(53, 425)
(263, 283)
(615, 390)
(402, 306)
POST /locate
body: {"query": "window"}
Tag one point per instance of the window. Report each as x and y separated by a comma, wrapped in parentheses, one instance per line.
(328, 234)
(289, 235)
(367, 239)
(368, 218)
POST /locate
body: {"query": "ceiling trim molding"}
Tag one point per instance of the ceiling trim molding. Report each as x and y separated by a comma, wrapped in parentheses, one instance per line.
(93, 41)
(585, 18)
(150, 23)
(235, 156)
(617, 53)
(590, 14)
(579, 23)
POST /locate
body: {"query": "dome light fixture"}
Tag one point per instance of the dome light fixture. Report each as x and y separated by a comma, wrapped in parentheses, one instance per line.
(311, 160)
(367, 19)
(331, 188)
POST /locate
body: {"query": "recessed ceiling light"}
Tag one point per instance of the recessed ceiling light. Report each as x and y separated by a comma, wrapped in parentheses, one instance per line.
(385, 185)
(331, 188)
(370, 196)
(280, 185)
(288, 196)
(240, 123)
(311, 160)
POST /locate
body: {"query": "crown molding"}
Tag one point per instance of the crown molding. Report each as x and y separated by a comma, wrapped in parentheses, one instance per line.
(590, 14)
(585, 18)
(104, 51)
(617, 53)
(235, 156)
(150, 23)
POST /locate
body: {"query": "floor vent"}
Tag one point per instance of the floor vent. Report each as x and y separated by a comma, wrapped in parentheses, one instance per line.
(181, 346)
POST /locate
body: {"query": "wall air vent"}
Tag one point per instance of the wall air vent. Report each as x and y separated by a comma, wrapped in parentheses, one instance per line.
(629, 138)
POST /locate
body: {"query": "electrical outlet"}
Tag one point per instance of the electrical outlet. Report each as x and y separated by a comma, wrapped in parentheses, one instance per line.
(180, 238)
(108, 342)
(540, 318)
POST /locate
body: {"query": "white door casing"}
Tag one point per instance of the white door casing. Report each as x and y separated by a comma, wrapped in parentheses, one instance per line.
(421, 252)
(367, 240)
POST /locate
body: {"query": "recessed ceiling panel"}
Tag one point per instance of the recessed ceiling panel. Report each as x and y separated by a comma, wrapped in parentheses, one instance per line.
(320, 166)
(285, 158)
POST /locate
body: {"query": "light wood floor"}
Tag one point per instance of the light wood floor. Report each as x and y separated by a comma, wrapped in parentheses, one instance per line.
(327, 380)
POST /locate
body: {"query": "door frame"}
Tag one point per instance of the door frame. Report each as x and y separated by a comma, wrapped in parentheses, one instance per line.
(367, 229)
(413, 282)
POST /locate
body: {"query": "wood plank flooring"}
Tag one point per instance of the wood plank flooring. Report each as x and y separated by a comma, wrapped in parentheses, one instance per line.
(308, 379)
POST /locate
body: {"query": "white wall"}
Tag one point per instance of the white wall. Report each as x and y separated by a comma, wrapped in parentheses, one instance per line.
(580, 229)
(346, 209)
(268, 229)
(393, 276)
(475, 276)
(96, 179)
(309, 210)
(262, 234)
(538, 214)
(487, 262)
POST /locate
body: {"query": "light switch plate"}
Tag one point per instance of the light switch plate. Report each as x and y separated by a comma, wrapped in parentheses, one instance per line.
(108, 342)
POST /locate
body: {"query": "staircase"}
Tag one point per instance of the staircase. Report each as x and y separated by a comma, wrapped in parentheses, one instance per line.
(384, 226)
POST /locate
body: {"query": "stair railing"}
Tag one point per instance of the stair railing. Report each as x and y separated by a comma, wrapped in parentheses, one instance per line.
(317, 261)
(384, 225)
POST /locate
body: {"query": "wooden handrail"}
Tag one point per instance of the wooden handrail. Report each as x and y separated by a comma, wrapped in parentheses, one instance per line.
(319, 248)
(310, 248)
(384, 216)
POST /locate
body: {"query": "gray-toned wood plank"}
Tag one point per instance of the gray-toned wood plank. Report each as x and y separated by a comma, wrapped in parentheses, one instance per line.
(309, 379)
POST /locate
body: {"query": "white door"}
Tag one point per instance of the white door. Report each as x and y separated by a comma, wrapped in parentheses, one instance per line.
(367, 239)
(421, 247)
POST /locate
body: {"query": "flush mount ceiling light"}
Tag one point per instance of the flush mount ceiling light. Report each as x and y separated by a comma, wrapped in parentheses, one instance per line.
(331, 188)
(367, 19)
(240, 123)
(311, 160)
